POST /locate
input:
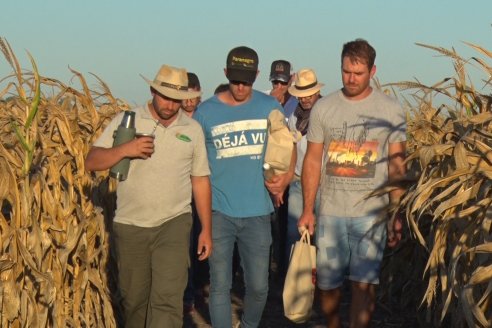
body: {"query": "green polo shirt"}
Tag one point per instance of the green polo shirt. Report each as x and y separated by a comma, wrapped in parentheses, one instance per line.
(158, 189)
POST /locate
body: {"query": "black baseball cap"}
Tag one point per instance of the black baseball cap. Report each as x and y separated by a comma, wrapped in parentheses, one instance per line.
(242, 65)
(280, 71)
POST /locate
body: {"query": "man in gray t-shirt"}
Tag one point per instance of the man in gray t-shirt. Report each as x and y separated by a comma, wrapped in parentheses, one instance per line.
(361, 133)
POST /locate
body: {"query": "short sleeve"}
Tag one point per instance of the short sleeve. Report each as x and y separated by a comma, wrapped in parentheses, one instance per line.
(315, 130)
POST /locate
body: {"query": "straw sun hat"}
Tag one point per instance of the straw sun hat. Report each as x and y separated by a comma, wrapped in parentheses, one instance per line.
(172, 82)
(305, 83)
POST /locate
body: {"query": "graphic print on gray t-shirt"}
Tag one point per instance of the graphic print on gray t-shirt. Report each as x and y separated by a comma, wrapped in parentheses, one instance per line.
(351, 156)
(356, 136)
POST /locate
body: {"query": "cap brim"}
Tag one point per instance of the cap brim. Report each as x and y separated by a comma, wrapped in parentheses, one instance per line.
(241, 75)
(173, 93)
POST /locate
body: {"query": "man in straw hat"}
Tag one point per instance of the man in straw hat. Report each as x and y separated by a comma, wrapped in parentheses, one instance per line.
(307, 90)
(153, 215)
(235, 126)
(361, 132)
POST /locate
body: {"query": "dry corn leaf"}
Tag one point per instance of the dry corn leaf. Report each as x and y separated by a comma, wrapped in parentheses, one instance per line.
(472, 312)
(460, 198)
(10, 300)
(480, 275)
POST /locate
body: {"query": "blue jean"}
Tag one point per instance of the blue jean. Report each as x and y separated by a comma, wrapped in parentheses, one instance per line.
(294, 213)
(253, 237)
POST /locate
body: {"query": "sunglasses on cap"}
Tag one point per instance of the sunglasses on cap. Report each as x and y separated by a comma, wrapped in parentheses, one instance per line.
(248, 84)
(274, 82)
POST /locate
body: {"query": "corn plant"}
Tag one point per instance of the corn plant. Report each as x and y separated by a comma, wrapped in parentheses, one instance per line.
(54, 246)
(449, 196)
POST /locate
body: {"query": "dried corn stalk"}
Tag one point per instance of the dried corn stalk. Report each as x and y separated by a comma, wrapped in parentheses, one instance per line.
(53, 239)
(448, 206)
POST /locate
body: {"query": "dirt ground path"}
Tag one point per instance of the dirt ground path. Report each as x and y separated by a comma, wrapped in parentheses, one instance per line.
(273, 314)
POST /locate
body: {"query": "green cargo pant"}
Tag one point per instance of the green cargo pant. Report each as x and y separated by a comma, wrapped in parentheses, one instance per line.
(153, 271)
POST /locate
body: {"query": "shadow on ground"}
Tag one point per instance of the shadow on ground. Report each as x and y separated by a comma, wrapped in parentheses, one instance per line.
(273, 316)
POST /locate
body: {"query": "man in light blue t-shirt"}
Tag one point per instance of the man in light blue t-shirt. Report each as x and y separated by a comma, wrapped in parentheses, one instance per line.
(235, 125)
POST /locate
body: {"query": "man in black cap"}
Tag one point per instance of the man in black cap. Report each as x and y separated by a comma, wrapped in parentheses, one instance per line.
(281, 78)
(235, 126)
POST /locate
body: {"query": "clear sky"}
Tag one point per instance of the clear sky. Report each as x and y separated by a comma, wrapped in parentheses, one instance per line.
(120, 39)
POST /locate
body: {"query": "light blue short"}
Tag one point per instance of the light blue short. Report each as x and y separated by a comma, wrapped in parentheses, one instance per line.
(349, 248)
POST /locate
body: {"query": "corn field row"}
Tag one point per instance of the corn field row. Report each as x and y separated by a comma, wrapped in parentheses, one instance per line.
(54, 245)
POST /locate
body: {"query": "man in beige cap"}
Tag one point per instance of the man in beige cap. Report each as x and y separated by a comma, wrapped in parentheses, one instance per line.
(153, 215)
(307, 90)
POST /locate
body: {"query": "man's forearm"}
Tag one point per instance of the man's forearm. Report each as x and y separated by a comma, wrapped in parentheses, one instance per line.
(99, 159)
(310, 183)
(311, 173)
